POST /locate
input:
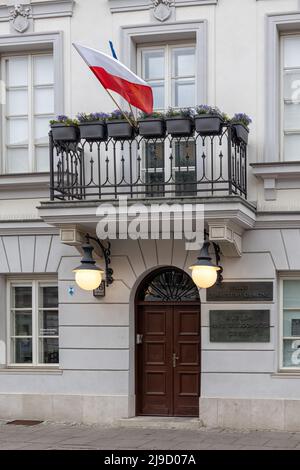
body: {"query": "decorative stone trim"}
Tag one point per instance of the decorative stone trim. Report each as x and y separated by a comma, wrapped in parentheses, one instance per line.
(228, 236)
(276, 175)
(52, 8)
(118, 6)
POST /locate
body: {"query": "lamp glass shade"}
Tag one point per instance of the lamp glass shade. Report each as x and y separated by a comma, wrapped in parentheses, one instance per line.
(88, 279)
(205, 276)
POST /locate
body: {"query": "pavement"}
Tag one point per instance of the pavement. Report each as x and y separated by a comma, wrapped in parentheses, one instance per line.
(51, 436)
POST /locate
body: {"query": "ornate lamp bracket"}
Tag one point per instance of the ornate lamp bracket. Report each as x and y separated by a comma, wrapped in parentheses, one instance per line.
(106, 251)
(217, 251)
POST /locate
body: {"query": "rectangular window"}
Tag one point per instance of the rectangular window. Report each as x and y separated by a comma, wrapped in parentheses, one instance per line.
(171, 71)
(33, 323)
(290, 303)
(29, 83)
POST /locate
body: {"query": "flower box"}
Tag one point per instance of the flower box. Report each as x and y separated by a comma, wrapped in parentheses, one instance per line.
(240, 133)
(152, 127)
(93, 131)
(120, 129)
(179, 126)
(65, 133)
(206, 124)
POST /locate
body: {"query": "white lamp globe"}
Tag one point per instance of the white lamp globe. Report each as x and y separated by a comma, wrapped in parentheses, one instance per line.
(88, 279)
(204, 276)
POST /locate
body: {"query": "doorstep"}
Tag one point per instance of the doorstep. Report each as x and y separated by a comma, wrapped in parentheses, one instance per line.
(159, 422)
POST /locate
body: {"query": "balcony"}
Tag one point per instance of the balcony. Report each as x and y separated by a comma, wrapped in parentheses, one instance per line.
(167, 167)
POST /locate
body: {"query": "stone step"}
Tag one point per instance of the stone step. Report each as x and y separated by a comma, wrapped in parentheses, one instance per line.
(158, 422)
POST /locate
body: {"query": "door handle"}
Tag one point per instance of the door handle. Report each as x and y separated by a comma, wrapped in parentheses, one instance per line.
(175, 358)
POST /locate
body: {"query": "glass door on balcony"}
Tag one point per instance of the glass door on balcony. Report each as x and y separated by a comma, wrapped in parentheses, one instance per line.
(171, 71)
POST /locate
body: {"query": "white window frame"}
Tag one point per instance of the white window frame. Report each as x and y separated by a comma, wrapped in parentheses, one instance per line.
(35, 283)
(14, 44)
(283, 368)
(32, 159)
(168, 48)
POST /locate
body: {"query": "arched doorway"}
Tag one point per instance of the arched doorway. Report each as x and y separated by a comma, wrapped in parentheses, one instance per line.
(168, 345)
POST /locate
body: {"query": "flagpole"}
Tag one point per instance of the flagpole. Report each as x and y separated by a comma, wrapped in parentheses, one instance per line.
(133, 124)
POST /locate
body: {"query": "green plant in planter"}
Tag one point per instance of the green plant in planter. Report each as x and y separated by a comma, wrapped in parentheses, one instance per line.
(240, 124)
(179, 113)
(119, 127)
(92, 126)
(208, 120)
(64, 129)
(152, 125)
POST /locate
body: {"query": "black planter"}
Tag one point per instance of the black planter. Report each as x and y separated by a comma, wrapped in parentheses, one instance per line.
(63, 133)
(120, 130)
(93, 131)
(152, 127)
(208, 124)
(240, 133)
(179, 126)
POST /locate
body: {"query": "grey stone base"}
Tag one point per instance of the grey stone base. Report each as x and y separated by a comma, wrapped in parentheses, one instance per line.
(87, 409)
(252, 414)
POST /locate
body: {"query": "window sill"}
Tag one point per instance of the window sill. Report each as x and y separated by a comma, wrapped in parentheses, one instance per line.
(286, 374)
(31, 370)
(277, 175)
(25, 181)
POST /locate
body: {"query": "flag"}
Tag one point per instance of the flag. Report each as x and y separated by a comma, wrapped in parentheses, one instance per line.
(113, 52)
(115, 76)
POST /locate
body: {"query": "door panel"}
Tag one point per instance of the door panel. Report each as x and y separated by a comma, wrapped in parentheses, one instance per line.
(186, 345)
(154, 370)
(168, 360)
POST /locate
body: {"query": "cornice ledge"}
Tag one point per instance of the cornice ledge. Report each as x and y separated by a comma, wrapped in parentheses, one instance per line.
(271, 173)
(49, 9)
(119, 6)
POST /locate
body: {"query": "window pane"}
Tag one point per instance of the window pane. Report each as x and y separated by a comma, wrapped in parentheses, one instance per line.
(44, 101)
(17, 131)
(185, 153)
(291, 353)
(186, 180)
(184, 94)
(292, 147)
(48, 297)
(17, 71)
(21, 297)
(183, 61)
(48, 351)
(291, 116)
(43, 70)
(291, 294)
(292, 85)
(21, 351)
(48, 323)
(158, 95)
(41, 129)
(21, 323)
(42, 158)
(17, 102)
(155, 189)
(292, 52)
(291, 323)
(155, 155)
(154, 65)
(17, 160)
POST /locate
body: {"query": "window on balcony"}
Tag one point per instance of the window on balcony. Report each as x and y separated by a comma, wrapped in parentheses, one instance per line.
(29, 82)
(290, 102)
(171, 71)
(33, 323)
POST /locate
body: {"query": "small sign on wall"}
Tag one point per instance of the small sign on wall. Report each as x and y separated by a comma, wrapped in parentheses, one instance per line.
(100, 291)
(239, 326)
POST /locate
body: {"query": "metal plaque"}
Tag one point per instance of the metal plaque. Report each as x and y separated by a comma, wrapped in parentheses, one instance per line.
(239, 326)
(100, 291)
(241, 292)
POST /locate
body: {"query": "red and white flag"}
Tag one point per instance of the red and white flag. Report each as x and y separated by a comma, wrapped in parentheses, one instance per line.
(115, 76)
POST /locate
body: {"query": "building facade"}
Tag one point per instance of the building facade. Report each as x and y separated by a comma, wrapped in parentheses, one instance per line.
(153, 344)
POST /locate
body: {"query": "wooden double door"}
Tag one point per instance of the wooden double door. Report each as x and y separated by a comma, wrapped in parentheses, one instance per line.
(168, 359)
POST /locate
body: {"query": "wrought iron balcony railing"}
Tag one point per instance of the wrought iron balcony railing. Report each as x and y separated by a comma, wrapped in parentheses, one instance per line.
(146, 168)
